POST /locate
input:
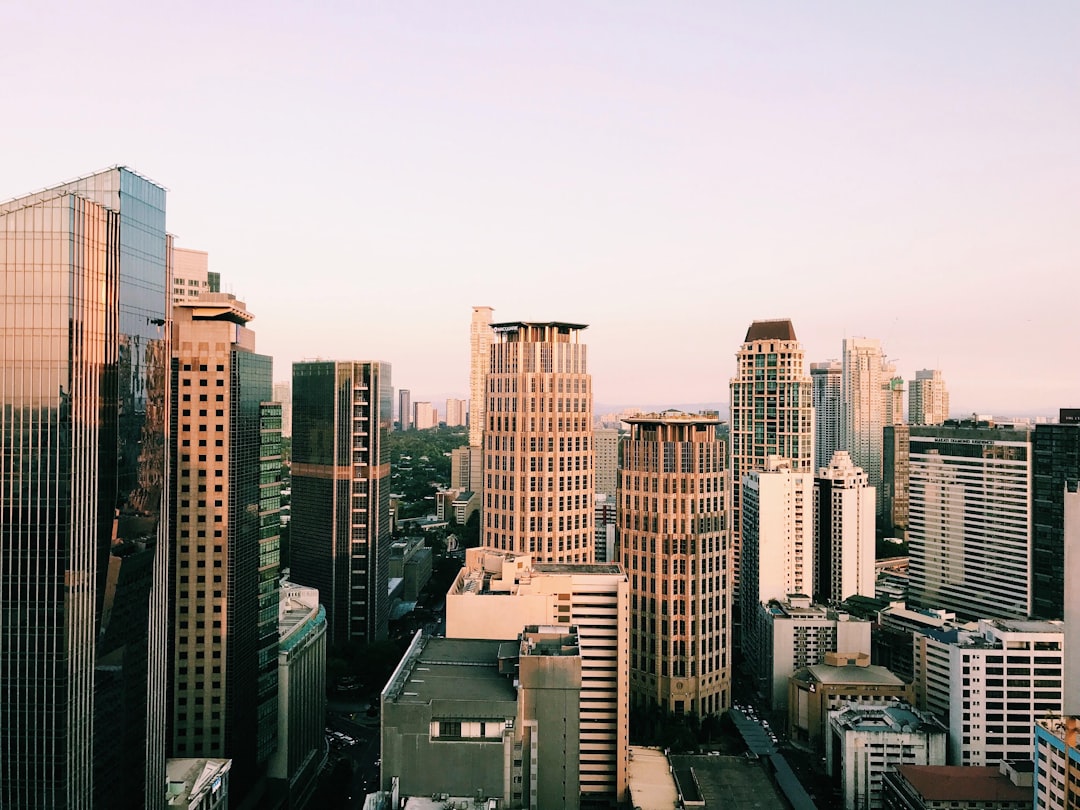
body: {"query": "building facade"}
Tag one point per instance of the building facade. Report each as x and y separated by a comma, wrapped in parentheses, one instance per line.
(85, 277)
(862, 408)
(606, 441)
(826, 384)
(772, 414)
(282, 394)
(405, 410)
(895, 475)
(844, 532)
(425, 416)
(340, 541)
(190, 274)
(226, 531)
(455, 412)
(1055, 468)
(480, 339)
(673, 544)
(539, 421)
(498, 593)
(928, 398)
(969, 523)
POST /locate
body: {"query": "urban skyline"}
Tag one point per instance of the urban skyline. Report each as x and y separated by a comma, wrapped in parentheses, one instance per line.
(922, 196)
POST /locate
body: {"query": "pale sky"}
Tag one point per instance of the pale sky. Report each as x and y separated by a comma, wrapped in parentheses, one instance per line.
(362, 173)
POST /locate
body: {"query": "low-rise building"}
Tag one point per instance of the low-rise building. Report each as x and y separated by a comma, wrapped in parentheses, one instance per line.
(864, 743)
(410, 560)
(197, 784)
(950, 787)
(815, 691)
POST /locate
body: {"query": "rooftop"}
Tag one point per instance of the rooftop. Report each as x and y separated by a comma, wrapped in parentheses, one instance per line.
(450, 669)
(675, 416)
(779, 329)
(513, 326)
(848, 674)
(894, 718)
(951, 783)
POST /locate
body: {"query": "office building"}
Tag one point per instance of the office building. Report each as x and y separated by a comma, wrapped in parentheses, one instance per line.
(606, 519)
(895, 474)
(425, 416)
(969, 519)
(673, 543)
(539, 419)
(778, 546)
(301, 707)
(340, 541)
(405, 410)
(510, 736)
(990, 685)
(190, 274)
(865, 743)
(840, 679)
(481, 337)
(85, 271)
(825, 381)
(606, 441)
(844, 537)
(928, 398)
(897, 627)
(862, 408)
(1055, 466)
(455, 412)
(227, 469)
(282, 394)
(1007, 786)
(498, 593)
(772, 414)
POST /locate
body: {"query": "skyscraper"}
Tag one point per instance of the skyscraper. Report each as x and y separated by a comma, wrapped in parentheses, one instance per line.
(84, 388)
(772, 412)
(844, 537)
(227, 468)
(480, 340)
(673, 544)
(283, 396)
(340, 500)
(827, 388)
(425, 416)
(606, 443)
(1056, 465)
(405, 410)
(539, 420)
(892, 395)
(969, 523)
(895, 474)
(862, 411)
(928, 399)
(455, 412)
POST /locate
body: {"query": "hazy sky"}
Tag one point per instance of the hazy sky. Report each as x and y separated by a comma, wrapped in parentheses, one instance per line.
(362, 173)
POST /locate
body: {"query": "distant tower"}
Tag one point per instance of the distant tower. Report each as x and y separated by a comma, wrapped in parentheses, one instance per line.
(425, 416)
(283, 395)
(340, 524)
(455, 412)
(862, 411)
(540, 420)
(772, 412)
(844, 537)
(405, 411)
(892, 395)
(928, 399)
(607, 461)
(480, 339)
(190, 274)
(226, 531)
(827, 389)
(673, 544)
(1056, 467)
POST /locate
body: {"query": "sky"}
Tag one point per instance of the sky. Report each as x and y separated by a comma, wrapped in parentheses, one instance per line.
(362, 173)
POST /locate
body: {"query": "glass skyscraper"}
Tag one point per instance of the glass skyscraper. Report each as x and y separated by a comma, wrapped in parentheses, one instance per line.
(84, 357)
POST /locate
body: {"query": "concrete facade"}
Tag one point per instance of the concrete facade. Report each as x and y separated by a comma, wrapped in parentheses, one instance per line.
(844, 532)
(928, 398)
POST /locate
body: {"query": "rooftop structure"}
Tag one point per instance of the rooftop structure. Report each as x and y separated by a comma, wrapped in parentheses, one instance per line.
(1007, 786)
(198, 784)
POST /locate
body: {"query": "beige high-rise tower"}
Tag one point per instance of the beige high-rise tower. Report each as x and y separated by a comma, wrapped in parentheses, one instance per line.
(538, 443)
(772, 412)
(480, 337)
(673, 543)
(928, 399)
(862, 410)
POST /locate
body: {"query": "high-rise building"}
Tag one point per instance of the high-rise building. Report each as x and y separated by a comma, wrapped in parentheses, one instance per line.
(928, 399)
(772, 414)
(844, 532)
(539, 418)
(405, 410)
(480, 340)
(895, 472)
(190, 272)
(340, 524)
(85, 273)
(778, 547)
(862, 411)
(455, 412)
(673, 543)
(606, 518)
(227, 469)
(969, 522)
(1056, 464)
(892, 395)
(826, 381)
(606, 442)
(283, 396)
(425, 416)
(498, 593)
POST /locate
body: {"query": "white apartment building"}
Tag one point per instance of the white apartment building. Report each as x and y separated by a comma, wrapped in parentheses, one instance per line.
(989, 686)
(425, 415)
(190, 274)
(498, 593)
(969, 519)
(928, 398)
(844, 532)
(455, 412)
(865, 742)
(862, 407)
(827, 388)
